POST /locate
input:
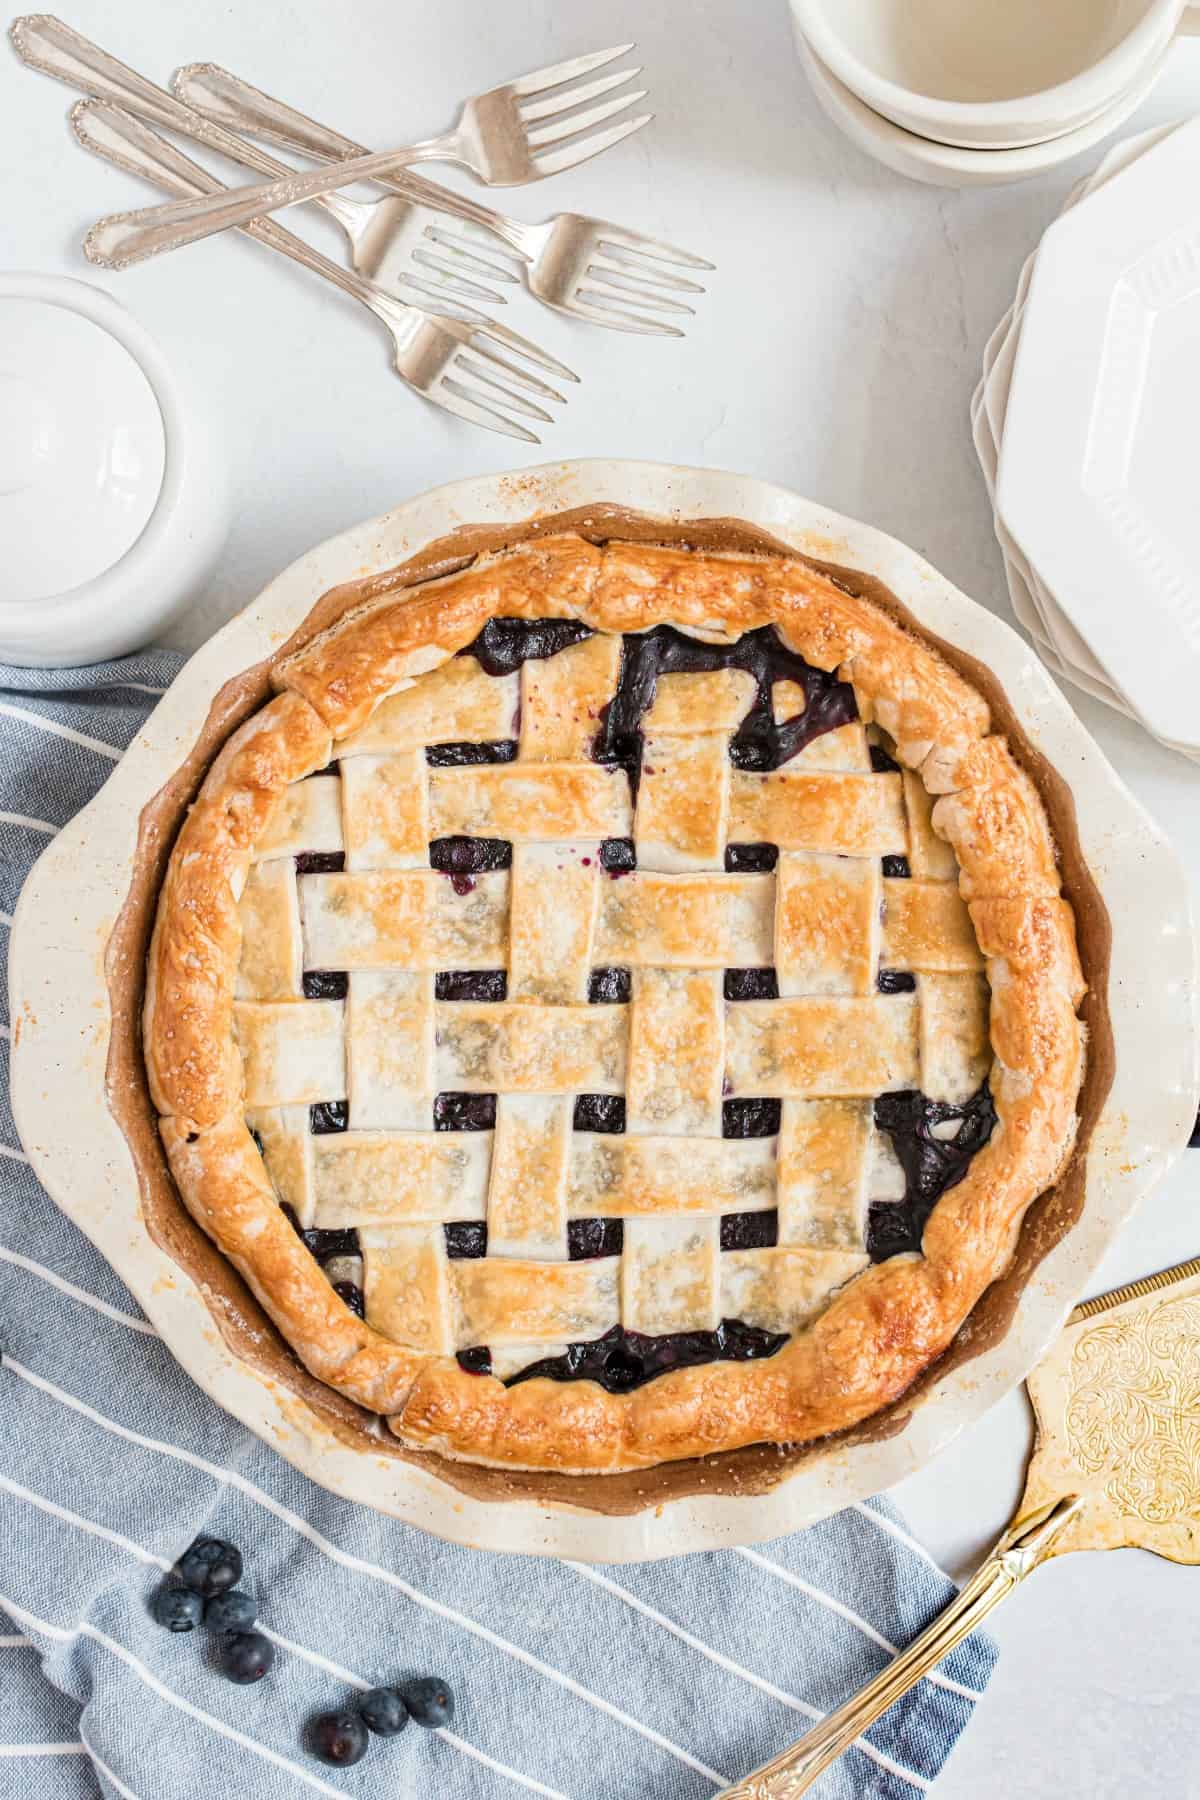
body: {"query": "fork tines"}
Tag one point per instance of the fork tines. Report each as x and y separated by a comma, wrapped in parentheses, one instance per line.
(624, 284)
(477, 383)
(563, 122)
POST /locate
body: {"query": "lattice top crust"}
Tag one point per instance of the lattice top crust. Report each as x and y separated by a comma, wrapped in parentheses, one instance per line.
(641, 981)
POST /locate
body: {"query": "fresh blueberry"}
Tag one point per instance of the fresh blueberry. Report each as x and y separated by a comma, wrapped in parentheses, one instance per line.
(339, 1737)
(383, 1711)
(209, 1566)
(246, 1656)
(429, 1701)
(231, 1611)
(177, 1608)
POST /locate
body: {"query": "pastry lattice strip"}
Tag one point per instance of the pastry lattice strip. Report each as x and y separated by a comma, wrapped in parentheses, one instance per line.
(824, 917)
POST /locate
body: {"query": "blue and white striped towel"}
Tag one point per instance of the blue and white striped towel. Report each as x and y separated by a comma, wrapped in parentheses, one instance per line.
(666, 1679)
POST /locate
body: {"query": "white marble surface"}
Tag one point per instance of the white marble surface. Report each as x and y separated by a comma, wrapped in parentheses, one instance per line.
(835, 353)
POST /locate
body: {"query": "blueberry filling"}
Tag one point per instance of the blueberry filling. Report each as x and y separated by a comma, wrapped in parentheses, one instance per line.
(469, 856)
(895, 981)
(464, 1112)
(599, 1112)
(896, 868)
(622, 1360)
(320, 862)
(594, 1237)
(468, 1238)
(471, 984)
(352, 1294)
(327, 1116)
(751, 984)
(750, 1231)
(882, 763)
(932, 1165)
(504, 644)
(609, 987)
(750, 1118)
(456, 756)
(759, 742)
(326, 1247)
(751, 859)
(618, 856)
(326, 984)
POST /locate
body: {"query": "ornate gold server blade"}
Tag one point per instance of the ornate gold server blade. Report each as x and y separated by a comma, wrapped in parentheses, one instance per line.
(1116, 1461)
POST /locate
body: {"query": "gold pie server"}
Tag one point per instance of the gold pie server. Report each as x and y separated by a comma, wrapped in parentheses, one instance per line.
(1116, 1461)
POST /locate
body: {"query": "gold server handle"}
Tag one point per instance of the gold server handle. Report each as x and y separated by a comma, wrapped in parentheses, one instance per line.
(1026, 1544)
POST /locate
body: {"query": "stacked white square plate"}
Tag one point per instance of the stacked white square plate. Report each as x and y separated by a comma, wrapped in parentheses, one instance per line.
(1086, 423)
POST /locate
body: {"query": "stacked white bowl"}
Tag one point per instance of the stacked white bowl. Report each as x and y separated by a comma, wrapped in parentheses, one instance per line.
(969, 94)
(1084, 422)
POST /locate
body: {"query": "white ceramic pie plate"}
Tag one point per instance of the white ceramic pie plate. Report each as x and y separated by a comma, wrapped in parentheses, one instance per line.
(60, 1009)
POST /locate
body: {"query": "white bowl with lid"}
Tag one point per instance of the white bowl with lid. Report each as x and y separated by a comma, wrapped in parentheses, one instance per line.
(112, 495)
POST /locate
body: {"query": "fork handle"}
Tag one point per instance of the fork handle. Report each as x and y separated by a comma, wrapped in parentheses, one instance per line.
(119, 138)
(228, 100)
(52, 48)
(121, 239)
(1024, 1546)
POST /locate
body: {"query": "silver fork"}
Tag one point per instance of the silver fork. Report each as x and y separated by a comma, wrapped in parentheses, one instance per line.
(504, 137)
(53, 48)
(582, 266)
(455, 364)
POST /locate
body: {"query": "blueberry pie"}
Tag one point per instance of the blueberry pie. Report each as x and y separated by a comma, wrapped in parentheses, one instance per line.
(615, 1003)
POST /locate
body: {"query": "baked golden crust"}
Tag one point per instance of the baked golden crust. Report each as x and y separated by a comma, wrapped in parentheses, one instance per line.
(889, 1321)
(191, 1058)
